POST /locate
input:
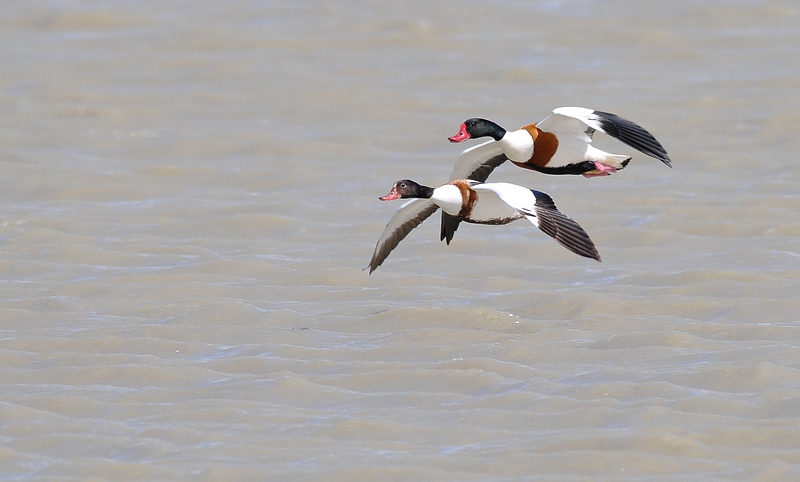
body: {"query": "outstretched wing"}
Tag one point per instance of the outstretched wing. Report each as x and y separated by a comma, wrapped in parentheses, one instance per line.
(582, 123)
(409, 216)
(475, 163)
(541, 211)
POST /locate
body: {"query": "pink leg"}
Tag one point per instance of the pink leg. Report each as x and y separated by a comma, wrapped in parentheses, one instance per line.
(601, 170)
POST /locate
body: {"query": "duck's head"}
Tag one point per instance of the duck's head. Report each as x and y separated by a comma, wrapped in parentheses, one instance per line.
(477, 127)
(407, 189)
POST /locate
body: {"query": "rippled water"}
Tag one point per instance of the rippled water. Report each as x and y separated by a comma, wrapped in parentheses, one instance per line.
(190, 194)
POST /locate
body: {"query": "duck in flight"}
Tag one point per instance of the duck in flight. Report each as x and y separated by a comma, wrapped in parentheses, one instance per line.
(560, 144)
(479, 203)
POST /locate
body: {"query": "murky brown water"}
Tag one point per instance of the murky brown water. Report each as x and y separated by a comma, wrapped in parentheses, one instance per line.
(189, 195)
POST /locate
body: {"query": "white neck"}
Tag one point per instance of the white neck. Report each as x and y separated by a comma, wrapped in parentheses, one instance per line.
(517, 145)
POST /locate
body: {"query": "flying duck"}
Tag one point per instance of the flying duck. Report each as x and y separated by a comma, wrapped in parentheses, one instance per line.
(561, 143)
(472, 201)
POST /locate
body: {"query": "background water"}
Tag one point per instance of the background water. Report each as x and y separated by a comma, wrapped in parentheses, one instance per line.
(189, 195)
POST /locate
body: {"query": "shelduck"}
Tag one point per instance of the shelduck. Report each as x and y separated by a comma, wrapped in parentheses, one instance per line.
(479, 203)
(561, 143)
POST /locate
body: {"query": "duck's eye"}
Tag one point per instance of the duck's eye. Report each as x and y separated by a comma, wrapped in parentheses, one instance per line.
(402, 184)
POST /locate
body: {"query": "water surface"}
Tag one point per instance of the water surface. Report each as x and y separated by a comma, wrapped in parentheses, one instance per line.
(190, 195)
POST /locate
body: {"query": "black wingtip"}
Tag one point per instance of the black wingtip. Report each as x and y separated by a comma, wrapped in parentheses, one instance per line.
(565, 231)
(372, 266)
(633, 135)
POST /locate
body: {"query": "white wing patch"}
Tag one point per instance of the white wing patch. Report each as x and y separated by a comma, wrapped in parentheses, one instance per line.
(519, 199)
(575, 121)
